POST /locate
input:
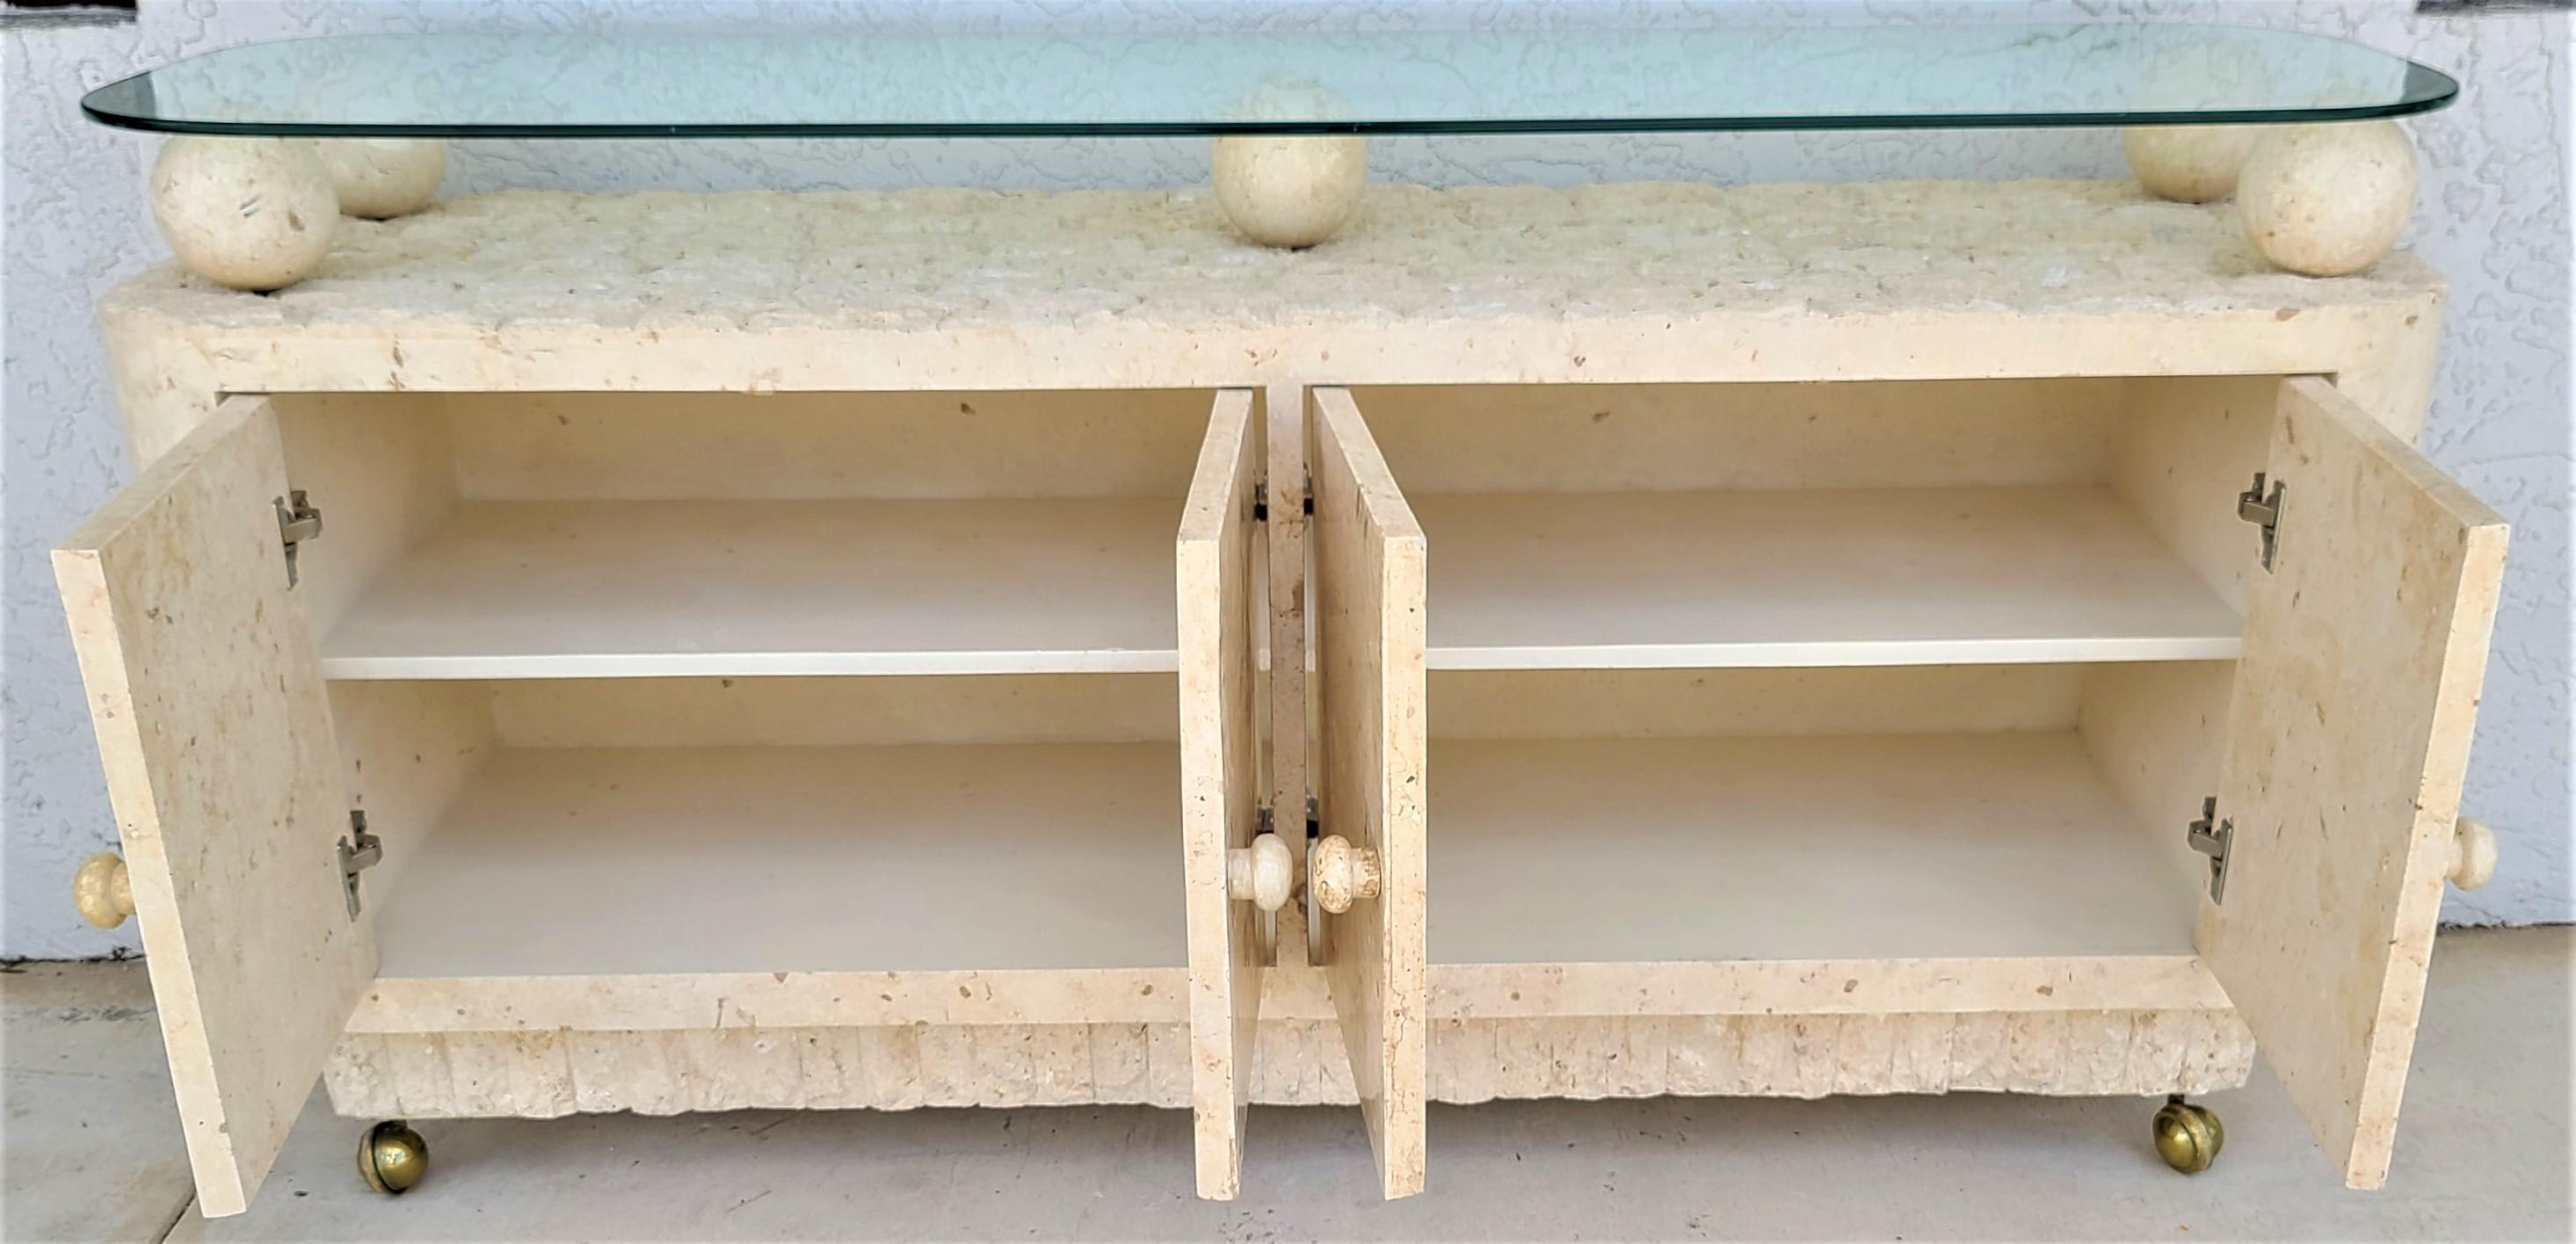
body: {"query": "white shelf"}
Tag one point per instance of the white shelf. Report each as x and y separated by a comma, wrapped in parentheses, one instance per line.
(706, 588)
(1930, 576)
(1824, 847)
(625, 861)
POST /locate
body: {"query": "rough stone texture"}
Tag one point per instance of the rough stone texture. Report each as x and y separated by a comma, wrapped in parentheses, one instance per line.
(2494, 219)
(967, 289)
(1300, 1062)
(922, 261)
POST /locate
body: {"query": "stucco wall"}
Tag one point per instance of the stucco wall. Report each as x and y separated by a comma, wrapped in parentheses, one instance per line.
(2494, 217)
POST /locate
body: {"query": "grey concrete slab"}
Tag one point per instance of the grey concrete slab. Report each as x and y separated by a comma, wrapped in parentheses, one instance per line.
(2484, 1156)
(91, 1147)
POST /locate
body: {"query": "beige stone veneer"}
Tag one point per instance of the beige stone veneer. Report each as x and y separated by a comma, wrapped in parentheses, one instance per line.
(934, 289)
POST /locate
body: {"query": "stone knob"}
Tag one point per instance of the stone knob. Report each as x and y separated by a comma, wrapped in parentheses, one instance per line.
(2473, 854)
(102, 891)
(1342, 873)
(1261, 874)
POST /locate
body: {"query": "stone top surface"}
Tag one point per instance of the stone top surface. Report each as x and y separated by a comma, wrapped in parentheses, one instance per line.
(945, 260)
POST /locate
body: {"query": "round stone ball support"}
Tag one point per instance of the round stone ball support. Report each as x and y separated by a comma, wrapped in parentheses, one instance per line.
(250, 213)
(1290, 191)
(2328, 200)
(381, 178)
(258, 213)
(2318, 200)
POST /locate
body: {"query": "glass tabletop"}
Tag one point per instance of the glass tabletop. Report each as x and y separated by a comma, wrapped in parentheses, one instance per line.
(827, 83)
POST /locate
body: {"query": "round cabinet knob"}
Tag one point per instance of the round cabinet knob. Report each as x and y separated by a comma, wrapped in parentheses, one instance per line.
(2473, 854)
(103, 891)
(1261, 874)
(1342, 873)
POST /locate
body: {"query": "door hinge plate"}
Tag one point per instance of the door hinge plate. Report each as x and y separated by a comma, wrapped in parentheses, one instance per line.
(1261, 502)
(358, 851)
(297, 521)
(2263, 511)
(2212, 837)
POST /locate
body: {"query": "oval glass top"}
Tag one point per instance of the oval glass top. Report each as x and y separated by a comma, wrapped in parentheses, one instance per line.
(824, 83)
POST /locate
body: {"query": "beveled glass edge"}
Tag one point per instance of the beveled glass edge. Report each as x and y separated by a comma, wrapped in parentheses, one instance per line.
(2426, 90)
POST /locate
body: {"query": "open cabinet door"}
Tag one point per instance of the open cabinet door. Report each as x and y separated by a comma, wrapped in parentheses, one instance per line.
(1220, 784)
(216, 736)
(2347, 739)
(1370, 686)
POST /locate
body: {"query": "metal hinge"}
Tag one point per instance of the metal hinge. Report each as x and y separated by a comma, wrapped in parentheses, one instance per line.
(297, 522)
(2212, 837)
(1269, 820)
(1261, 501)
(359, 851)
(2263, 511)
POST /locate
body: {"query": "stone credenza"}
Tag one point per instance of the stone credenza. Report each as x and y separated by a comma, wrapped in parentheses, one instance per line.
(841, 650)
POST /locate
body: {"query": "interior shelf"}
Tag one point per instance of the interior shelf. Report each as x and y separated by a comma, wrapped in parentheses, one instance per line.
(1920, 576)
(1817, 847)
(617, 861)
(712, 588)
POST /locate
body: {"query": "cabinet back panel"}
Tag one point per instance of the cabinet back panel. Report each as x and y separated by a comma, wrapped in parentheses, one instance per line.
(1662, 438)
(1615, 703)
(835, 712)
(801, 446)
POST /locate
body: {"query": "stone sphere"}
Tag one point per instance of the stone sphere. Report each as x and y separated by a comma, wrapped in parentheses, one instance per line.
(381, 178)
(251, 213)
(1290, 190)
(2188, 163)
(2327, 200)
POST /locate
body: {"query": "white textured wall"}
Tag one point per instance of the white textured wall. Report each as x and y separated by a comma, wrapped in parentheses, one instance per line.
(2495, 217)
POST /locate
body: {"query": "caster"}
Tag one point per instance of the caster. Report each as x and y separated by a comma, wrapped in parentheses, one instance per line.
(392, 1157)
(2188, 1137)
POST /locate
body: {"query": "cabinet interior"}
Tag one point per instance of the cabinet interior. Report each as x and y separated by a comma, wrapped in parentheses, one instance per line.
(631, 827)
(1825, 672)
(593, 666)
(1840, 813)
(677, 535)
(1882, 670)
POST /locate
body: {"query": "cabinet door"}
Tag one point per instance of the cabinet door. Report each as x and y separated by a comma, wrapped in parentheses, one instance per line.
(2347, 738)
(1220, 784)
(1369, 770)
(216, 736)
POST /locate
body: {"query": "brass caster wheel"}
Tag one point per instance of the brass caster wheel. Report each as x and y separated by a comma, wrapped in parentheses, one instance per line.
(392, 1157)
(2188, 1137)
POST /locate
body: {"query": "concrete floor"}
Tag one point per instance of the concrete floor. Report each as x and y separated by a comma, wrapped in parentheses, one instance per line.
(92, 1151)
